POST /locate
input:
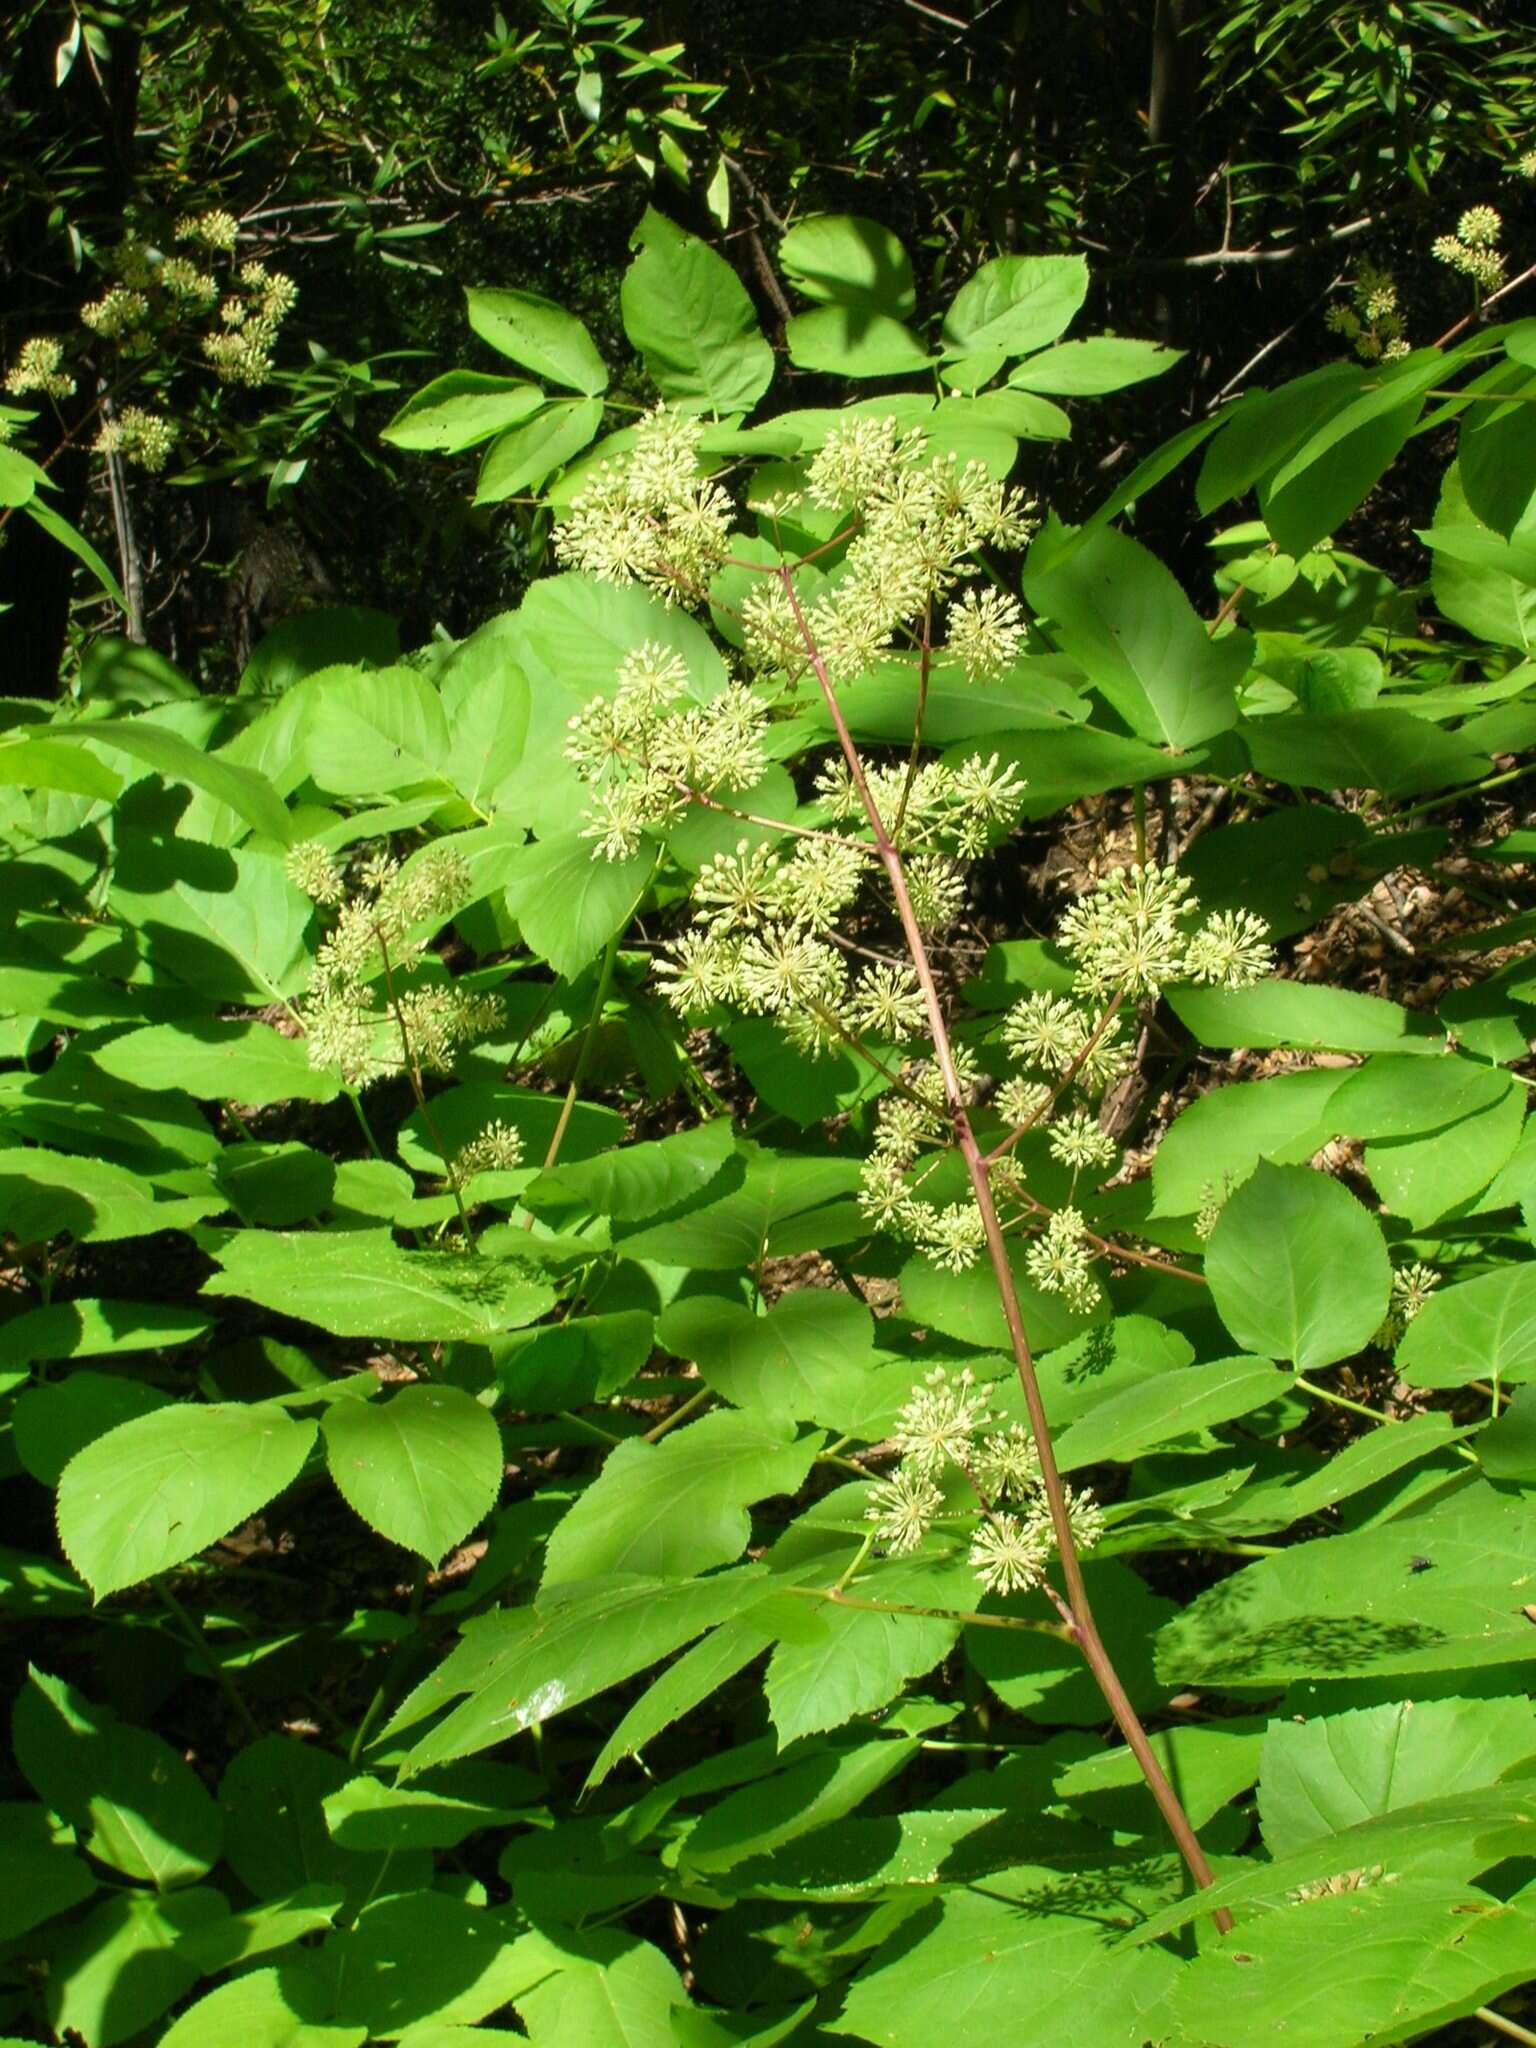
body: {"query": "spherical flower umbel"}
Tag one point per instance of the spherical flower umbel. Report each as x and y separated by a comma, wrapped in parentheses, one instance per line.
(1231, 949)
(39, 367)
(986, 629)
(903, 1507)
(214, 228)
(887, 1002)
(1077, 1141)
(1009, 1554)
(1059, 1260)
(1007, 1464)
(939, 1424)
(497, 1149)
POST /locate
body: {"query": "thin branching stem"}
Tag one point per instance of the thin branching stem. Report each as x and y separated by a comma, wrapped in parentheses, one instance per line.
(418, 1088)
(1075, 1609)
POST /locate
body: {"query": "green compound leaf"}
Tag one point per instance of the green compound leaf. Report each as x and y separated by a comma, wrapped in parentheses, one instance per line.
(1084, 369)
(1115, 609)
(540, 335)
(813, 1793)
(137, 1806)
(1303, 1015)
(248, 794)
(1297, 1268)
(603, 1989)
(372, 733)
(53, 1422)
(514, 1670)
(1378, 1964)
(525, 456)
(783, 1205)
(263, 2009)
(459, 410)
(841, 1661)
(642, 1183)
(842, 259)
(40, 1873)
(44, 1193)
(1363, 1605)
(807, 1360)
(97, 1329)
(1478, 1329)
(158, 1489)
(369, 1816)
(689, 315)
(854, 341)
(360, 1283)
(1219, 1139)
(422, 1467)
(218, 1060)
(275, 1837)
(680, 1506)
(959, 1969)
(228, 922)
(569, 901)
(123, 1965)
(1318, 1777)
(426, 1956)
(1015, 304)
(1157, 1412)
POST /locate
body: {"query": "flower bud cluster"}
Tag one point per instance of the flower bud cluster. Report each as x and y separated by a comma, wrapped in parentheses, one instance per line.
(1411, 1288)
(142, 438)
(1373, 324)
(916, 521)
(947, 1426)
(378, 932)
(242, 352)
(116, 313)
(1473, 249)
(649, 747)
(939, 808)
(213, 229)
(240, 349)
(653, 518)
(497, 1149)
(1130, 933)
(39, 367)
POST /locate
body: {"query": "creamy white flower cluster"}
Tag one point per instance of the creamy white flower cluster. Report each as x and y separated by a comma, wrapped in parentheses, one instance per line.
(1474, 248)
(1131, 933)
(652, 518)
(763, 936)
(116, 313)
(650, 747)
(760, 943)
(945, 1426)
(917, 521)
(935, 808)
(241, 352)
(240, 349)
(142, 438)
(912, 1134)
(380, 911)
(39, 366)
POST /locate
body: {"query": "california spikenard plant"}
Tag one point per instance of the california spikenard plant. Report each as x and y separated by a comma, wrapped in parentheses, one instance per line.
(607, 1446)
(766, 936)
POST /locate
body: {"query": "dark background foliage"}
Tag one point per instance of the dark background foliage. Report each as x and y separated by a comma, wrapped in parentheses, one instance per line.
(1222, 169)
